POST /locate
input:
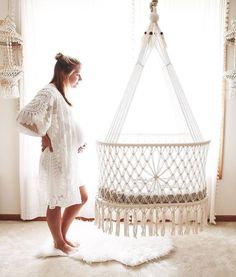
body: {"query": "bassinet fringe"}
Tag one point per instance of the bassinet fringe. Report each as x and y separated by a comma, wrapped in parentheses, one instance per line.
(150, 219)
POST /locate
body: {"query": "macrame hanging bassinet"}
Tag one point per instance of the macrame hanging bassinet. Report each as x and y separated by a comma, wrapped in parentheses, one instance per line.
(11, 57)
(151, 184)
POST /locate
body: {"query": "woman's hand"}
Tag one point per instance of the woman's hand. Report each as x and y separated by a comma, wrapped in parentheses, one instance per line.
(46, 142)
(81, 148)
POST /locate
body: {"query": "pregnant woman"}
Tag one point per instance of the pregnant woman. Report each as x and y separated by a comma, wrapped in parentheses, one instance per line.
(50, 116)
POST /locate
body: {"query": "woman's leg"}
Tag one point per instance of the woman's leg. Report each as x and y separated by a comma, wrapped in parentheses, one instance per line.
(54, 224)
(70, 213)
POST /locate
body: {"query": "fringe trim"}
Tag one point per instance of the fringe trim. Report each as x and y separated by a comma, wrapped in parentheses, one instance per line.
(154, 220)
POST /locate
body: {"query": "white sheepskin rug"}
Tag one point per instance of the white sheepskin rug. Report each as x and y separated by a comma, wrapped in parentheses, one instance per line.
(96, 246)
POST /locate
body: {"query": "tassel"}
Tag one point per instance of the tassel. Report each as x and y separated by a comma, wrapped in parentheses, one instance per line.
(103, 213)
(143, 223)
(135, 227)
(163, 222)
(157, 221)
(96, 214)
(202, 218)
(173, 221)
(126, 223)
(205, 206)
(151, 223)
(187, 230)
(111, 222)
(117, 223)
(195, 221)
(191, 222)
(99, 217)
(108, 219)
(180, 221)
(111, 227)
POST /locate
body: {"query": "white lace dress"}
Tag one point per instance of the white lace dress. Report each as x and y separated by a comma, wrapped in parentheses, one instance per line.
(59, 177)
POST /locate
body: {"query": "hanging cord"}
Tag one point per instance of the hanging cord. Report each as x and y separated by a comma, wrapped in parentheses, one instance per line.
(153, 5)
(189, 118)
(11, 9)
(119, 119)
(153, 37)
(161, 48)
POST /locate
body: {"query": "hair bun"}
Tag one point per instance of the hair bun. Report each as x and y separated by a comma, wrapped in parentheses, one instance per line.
(58, 56)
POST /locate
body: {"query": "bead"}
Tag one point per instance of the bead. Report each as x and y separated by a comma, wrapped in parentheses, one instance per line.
(154, 17)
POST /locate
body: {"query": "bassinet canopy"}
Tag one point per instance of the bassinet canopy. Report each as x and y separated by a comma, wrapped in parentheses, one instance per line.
(150, 182)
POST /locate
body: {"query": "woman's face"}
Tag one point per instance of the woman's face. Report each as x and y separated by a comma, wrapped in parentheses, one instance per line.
(74, 77)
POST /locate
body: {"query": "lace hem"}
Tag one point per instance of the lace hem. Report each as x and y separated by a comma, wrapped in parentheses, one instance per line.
(63, 204)
(61, 200)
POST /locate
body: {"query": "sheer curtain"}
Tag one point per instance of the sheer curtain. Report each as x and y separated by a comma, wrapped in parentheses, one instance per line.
(105, 35)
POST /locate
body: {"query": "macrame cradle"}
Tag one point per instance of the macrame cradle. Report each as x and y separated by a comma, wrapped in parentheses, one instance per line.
(10, 59)
(148, 185)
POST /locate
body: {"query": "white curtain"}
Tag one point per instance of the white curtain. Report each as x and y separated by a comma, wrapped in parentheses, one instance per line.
(29, 147)
(105, 35)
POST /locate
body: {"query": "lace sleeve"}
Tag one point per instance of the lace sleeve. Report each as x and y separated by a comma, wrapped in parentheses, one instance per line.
(35, 118)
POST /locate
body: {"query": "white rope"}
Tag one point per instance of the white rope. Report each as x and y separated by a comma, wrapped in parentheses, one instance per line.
(189, 118)
(126, 101)
(153, 37)
(119, 119)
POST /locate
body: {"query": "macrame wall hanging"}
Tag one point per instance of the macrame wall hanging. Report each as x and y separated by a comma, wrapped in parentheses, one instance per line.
(230, 75)
(152, 183)
(11, 45)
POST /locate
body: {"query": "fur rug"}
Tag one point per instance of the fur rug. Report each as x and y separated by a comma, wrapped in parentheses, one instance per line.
(96, 246)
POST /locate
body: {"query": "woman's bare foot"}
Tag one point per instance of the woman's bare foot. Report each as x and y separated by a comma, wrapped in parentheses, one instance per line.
(72, 244)
(64, 247)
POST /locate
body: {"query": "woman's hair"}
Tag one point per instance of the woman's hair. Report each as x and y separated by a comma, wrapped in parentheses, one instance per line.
(63, 67)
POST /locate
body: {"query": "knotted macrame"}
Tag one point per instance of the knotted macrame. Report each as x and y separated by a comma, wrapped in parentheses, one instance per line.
(10, 59)
(150, 183)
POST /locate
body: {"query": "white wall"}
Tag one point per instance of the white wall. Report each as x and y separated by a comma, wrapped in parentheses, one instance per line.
(9, 149)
